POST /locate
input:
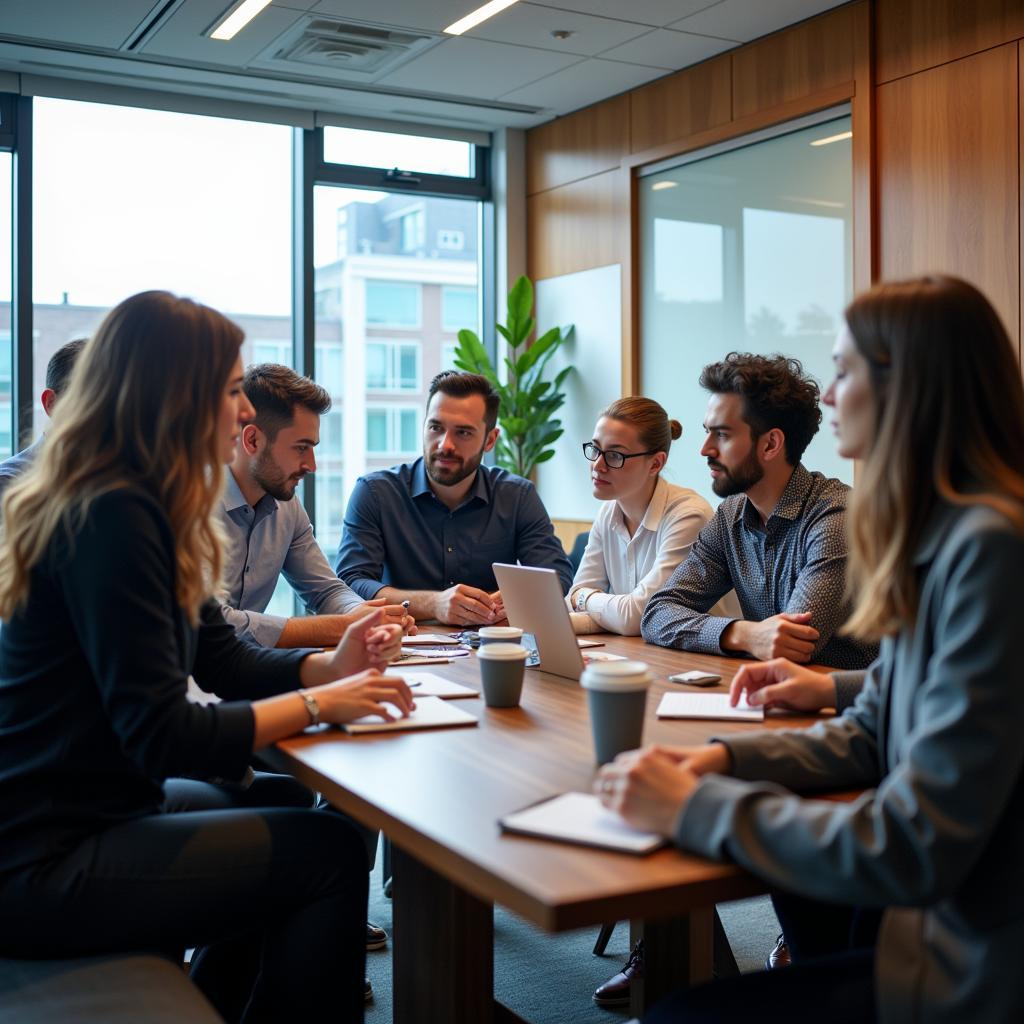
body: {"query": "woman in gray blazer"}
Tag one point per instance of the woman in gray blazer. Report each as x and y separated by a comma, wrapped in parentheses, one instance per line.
(928, 393)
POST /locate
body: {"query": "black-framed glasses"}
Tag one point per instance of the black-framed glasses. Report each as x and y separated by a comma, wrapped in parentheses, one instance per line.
(613, 460)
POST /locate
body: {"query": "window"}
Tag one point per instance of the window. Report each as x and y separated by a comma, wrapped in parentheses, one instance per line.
(330, 435)
(392, 304)
(387, 150)
(747, 250)
(200, 206)
(448, 356)
(6, 403)
(392, 430)
(392, 365)
(459, 309)
(413, 231)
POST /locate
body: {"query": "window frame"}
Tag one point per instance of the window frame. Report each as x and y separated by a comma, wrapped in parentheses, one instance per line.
(393, 359)
(393, 430)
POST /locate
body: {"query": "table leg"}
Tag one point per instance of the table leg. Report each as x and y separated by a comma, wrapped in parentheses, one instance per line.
(678, 952)
(443, 949)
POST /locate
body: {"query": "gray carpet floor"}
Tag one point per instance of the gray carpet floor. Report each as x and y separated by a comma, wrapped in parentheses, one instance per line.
(549, 979)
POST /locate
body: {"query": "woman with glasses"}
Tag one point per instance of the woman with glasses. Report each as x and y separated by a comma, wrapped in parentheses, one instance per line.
(647, 525)
(927, 391)
(110, 560)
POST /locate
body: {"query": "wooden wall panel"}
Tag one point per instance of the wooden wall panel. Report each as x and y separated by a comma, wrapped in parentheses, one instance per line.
(580, 145)
(682, 104)
(809, 58)
(948, 183)
(578, 226)
(913, 35)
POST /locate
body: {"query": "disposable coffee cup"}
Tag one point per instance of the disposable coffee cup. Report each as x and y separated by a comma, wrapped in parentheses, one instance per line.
(500, 635)
(617, 695)
(501, 673)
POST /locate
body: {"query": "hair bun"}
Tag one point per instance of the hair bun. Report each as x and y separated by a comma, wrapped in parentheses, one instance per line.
(675, 428)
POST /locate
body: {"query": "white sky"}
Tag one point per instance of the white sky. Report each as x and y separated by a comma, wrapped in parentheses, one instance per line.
(127, 199)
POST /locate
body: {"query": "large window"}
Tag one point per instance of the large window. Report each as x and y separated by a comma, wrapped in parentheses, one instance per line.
(392, 365)
(125, 200)
(388, 150)
(393, 430)
(393, 304)
(459, 309)
(747, 250)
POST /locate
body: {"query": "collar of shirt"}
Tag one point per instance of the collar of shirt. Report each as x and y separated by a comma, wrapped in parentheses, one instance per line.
(233, 499)
(789, 506)
(420, 485)
(653, 515)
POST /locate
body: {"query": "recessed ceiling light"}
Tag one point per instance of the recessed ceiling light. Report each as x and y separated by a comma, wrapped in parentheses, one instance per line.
(474, 18)
(659, 185)
(832, 138)
(237, 18)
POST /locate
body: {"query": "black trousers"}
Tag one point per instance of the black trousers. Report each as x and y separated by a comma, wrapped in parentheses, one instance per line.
(831, 978)
(274, 899)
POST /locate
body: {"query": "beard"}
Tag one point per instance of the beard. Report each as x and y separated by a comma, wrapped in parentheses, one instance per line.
(449, 476)
(267, 473)
(735, 481)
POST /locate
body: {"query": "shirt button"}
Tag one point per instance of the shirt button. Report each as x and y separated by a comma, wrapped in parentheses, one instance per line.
(451, 583)
(450, 550)
(248, 568)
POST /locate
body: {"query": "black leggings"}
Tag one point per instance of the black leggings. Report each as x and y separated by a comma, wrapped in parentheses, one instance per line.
(275, 896)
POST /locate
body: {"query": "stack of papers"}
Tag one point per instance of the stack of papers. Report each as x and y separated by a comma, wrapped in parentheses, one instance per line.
(580, 818)
(707, 705)
(429, 640)
(430, 713)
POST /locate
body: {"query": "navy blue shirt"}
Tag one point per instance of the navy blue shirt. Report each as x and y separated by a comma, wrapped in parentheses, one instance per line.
(398, 533)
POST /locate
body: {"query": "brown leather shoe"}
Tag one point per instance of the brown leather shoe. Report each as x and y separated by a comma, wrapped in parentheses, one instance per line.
(779, 956)
(615, 991)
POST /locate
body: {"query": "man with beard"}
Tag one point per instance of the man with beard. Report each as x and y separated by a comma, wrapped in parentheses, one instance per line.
(269, 531)
(428, 532)
(778, 538)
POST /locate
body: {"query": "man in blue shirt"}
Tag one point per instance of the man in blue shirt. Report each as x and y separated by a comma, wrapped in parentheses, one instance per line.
(428, 532)
(58, 373)
(269, 532)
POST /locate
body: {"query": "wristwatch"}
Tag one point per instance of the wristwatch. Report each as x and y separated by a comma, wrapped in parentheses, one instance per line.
(581, 597)
(311, 706)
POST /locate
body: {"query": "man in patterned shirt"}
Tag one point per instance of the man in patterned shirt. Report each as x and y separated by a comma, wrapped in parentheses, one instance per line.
(778, 538)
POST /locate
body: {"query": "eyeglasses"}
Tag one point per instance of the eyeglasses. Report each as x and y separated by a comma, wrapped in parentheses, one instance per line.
(613, 460)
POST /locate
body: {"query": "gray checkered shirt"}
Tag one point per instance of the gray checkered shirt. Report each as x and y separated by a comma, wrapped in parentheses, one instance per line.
(796, 562)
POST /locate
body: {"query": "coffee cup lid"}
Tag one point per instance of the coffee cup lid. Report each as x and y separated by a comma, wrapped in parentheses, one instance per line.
(500, 631)
(503, 652)
(616, 676)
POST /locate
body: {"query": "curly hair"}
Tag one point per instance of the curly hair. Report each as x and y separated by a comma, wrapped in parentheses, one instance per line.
(776, 393)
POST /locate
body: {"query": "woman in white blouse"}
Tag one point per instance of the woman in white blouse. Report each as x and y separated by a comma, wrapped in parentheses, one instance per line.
(645, 528)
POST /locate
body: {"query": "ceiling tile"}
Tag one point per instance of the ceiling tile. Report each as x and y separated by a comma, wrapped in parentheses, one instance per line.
(182, 35)
(665, 48)
(744, 20)
(582, 84)
(433, 15)
(474, 67)
(531, 25)
(644, 12)
(102, 25)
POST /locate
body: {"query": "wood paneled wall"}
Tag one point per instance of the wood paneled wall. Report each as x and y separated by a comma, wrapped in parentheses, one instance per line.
(936, 92)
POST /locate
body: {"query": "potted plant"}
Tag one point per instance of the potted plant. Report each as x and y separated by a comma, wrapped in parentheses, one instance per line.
(528, 400)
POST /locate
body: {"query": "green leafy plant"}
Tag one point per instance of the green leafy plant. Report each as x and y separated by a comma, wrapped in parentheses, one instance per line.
(528, 401)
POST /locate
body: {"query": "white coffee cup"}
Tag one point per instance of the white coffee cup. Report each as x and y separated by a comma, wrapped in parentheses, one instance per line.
(500, 635)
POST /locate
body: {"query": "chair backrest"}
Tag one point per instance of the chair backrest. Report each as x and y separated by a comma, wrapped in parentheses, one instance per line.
(579, 545)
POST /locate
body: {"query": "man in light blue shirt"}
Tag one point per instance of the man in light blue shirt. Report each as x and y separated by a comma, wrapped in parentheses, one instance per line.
(270, 533)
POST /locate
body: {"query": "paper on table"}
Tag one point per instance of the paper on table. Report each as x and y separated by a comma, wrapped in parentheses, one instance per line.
(707, 705)
(580, 818)
(602, 656)
(429, 640)
(430, 713)
(429, 684)
(589, 643)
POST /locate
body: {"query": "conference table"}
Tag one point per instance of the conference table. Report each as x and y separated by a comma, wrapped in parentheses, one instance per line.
(438, 795)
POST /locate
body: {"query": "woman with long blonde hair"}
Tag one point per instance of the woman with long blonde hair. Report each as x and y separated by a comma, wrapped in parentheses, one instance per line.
(928, 393)
(109, 559)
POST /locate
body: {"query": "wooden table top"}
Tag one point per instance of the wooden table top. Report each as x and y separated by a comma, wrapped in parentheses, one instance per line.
(439, 794)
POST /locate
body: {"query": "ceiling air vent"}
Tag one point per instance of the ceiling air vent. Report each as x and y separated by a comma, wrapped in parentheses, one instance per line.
(347, 47)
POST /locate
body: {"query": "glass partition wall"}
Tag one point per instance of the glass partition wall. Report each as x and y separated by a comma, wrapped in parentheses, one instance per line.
(746, 250)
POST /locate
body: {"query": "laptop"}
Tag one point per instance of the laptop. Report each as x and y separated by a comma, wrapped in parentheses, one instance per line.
(535, 603)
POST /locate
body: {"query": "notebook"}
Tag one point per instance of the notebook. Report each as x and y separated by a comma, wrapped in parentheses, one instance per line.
(707, 705)
(429, 640)
(430, 684)
(430, 713)
(579, 818)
